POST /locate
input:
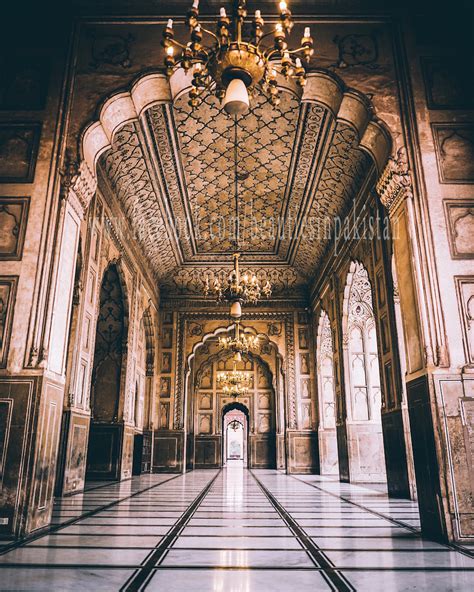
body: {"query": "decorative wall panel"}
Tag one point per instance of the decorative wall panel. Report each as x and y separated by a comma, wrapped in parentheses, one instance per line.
(454, 143)
(460, 218)
(18, 151)
(465, 292)
(8, 286)
(13, 220)
(446, 84)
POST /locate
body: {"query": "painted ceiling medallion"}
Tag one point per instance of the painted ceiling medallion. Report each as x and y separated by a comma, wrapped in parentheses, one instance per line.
(228, 65)
(240, 343)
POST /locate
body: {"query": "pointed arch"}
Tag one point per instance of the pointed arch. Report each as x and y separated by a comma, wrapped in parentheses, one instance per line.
(327, 397)
(362, 379)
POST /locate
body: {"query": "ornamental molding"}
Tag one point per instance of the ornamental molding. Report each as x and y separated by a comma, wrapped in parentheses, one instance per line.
(395, 183)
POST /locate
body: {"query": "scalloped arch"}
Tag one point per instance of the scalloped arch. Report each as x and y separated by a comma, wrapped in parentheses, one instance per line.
(323, 87)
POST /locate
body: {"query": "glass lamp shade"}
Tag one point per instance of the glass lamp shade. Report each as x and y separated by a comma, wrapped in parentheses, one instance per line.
(236, 100)
(236, 310)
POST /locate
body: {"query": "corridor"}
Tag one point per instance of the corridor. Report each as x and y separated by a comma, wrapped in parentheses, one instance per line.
(233, 530)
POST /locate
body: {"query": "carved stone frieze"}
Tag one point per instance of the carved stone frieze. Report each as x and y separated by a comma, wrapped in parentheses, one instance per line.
(395, 183)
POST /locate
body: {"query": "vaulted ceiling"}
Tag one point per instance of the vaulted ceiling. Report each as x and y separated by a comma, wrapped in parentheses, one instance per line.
(300, 165)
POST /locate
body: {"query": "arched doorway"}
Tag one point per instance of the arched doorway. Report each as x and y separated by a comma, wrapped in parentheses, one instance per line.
(235, 421)
(327, 398)
(103, 459)
(363, 390)
(205, 419)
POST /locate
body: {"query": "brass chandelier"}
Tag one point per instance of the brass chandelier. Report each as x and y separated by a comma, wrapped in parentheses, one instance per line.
(237, 289)
(234, 383)
(240, 343)
(229, 65)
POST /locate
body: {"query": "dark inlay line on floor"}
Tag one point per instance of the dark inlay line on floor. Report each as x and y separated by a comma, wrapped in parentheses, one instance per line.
(55, 527)
(141, 577)
(414, 529)
(332, 575)
(315, 568)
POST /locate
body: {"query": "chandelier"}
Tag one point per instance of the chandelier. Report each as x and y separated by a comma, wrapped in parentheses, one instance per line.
(240, 343)
(235, 425)
(237, 289)
(229, 65)
(236, 390)
(234, 383)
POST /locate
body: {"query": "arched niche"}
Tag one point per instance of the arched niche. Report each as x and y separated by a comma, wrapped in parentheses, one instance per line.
(107, 385)
(326, 397)
(362, 379)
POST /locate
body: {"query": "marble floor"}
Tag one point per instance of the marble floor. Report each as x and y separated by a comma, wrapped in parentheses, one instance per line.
(233, 530)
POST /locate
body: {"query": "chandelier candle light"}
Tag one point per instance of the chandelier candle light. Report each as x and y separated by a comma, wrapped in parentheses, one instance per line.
(237, 289)
(230, 66)
(240, 343)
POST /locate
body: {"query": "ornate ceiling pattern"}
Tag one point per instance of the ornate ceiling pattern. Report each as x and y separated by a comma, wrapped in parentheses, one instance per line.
(127, 168)
(346, 168)
(266, 137)
(300, 166)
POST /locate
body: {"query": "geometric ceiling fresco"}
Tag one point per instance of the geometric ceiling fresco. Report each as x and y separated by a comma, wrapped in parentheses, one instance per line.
(173, 174)
(265, 139)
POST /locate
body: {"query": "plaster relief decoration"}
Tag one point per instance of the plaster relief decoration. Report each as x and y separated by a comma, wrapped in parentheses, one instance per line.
(357, 50)
(303, 338)
(446, 84)
(304, 363)
(18, 151)
(166, 360)
(24, 83)
(305, 388)
(460, 218)
(13, 219)
(306, 422)
(205, 423)
(167, 337)
(454, 145)
(300, 160)
(167, 318)
(325, 368)
(8, 286)
(165, 386)
(205, 401)
(126, 167)
(110, 50)
(164, 415)
(274, 329)
(465, 292)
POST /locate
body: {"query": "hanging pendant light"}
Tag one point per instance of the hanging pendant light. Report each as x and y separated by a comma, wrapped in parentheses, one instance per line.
(229, 63)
